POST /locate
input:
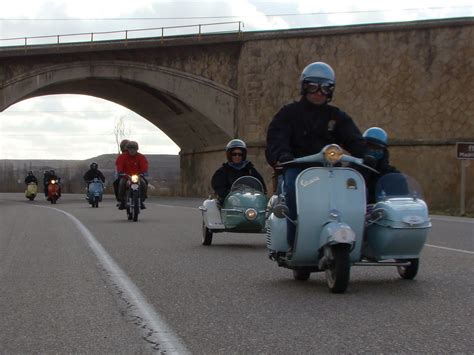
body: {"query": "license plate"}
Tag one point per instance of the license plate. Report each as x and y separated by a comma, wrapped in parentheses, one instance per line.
(134, 186)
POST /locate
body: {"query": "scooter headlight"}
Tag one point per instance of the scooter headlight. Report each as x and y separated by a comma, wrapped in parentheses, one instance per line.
(134, 179)
(333, 153)
(250, 214)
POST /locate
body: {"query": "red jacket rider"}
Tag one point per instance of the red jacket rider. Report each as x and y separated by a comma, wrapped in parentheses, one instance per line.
(131, 165)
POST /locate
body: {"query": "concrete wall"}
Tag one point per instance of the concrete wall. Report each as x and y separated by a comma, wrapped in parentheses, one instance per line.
(416, 81)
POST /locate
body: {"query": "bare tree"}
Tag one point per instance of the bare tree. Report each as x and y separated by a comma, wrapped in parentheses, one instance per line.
(120, 131)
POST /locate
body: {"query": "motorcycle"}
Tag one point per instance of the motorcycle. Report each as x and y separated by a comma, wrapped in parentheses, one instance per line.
(31, 191)
(95, 191)
(330, 229)
(132, 197)
(243, 210)
(53, 191)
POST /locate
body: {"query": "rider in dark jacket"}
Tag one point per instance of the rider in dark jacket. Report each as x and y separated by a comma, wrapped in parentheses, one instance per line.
(236, 166)
(376, 139)
(93, 173)
(31, 178)
(305, 127)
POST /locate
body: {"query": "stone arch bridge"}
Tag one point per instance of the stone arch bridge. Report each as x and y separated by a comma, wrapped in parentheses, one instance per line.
(415, 79)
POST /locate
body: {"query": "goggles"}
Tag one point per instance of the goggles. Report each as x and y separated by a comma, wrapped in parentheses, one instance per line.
(325, 88)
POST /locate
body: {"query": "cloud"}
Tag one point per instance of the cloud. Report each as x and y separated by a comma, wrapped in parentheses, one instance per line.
(73, 127)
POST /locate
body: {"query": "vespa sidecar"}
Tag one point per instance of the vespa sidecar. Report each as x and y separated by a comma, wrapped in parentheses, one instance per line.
(243, 210)
(396, 225)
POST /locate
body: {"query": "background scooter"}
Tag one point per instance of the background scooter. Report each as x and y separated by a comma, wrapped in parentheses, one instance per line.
(31, 191)
(95, 191)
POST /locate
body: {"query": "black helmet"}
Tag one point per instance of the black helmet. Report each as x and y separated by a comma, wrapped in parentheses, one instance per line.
(318, 73)
(94, 165)
(236, 144)
(51, 172)
(132, 145)
(123, 145)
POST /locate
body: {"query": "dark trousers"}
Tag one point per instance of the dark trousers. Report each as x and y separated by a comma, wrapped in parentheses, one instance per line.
(289, 177)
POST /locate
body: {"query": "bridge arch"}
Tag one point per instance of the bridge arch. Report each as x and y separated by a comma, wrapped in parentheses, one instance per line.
(196, 113)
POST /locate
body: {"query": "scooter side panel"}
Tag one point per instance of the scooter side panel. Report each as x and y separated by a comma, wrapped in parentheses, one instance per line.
(318, 192)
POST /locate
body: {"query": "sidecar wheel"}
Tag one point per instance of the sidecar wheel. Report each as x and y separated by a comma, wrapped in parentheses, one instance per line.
(409, 272)
(206, 235)
(339, 269)
(301, 275)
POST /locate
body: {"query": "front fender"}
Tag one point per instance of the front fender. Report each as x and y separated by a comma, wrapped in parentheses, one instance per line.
(336, 233)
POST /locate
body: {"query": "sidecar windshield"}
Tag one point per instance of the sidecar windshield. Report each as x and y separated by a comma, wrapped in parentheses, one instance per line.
(397, 185)
(247, 183)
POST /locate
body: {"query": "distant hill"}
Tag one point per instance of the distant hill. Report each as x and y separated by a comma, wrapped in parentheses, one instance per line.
(164, 172)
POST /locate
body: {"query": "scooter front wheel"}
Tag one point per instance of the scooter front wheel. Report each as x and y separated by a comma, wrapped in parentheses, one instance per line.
(339, 268)
(409, 272)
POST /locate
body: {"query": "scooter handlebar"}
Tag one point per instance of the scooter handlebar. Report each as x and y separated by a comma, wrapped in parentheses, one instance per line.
(319, 158)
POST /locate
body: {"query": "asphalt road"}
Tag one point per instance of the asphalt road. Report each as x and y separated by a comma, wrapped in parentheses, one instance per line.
(77, 279)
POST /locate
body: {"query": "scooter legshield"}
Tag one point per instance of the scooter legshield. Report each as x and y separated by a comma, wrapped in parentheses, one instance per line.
(325, 195)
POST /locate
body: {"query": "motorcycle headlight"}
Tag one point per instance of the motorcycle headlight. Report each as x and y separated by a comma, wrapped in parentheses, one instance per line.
(53, 182)
(333, 153)
(250, 214)
(134, 179)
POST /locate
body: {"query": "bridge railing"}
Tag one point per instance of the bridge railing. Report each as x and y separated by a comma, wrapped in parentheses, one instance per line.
(93, 37)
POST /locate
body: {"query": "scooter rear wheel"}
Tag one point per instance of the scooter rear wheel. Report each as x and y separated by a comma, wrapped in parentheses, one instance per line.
(206, 235)
(409, 272)
(339, 268)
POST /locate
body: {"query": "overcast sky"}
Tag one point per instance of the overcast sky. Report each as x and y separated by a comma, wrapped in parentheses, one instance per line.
(80, 127)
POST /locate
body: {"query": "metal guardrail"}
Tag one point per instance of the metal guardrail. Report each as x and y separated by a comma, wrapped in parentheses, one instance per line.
(92, 36)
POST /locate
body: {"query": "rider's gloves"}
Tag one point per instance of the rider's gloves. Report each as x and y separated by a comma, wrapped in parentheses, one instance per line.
(370, 161)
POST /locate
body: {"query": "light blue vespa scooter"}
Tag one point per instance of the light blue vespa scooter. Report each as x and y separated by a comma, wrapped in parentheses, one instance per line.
(95, 191)
(330, 228)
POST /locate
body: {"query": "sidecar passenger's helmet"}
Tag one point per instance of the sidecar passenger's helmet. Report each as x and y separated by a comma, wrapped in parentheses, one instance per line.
(132, 145)
(318, 73)
(377, 136)
(234, 144)
(123, 145)
(94, 165)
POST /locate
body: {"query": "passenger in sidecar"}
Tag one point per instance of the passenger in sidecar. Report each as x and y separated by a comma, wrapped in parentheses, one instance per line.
(241, 200)
(377, 156)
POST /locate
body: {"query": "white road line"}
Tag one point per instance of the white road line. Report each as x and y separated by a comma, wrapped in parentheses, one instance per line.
(451, 249)
(155, 328)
